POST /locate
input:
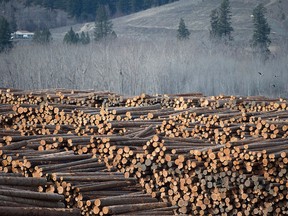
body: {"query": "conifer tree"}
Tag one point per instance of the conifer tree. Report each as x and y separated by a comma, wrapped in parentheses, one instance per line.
(84, 38)
(220, 20)
(71, 37)
(137, 5)
(124, 6)
(261, 40)
(42, 36)
(13, 24)
(147, 4)
(103, 26)
(214, 19)
(224, 24)
(183, 32)
(5, 35)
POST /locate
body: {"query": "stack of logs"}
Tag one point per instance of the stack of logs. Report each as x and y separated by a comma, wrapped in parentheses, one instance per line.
(102, 153)
(19, 196)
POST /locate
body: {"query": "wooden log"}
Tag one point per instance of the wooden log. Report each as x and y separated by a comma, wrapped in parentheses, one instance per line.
(65, 165)
(120, 200)
(34, 202)
(4, 203)
(104, 185)
(34, 211)
(118, 209)
(22, 181)
(32, 195)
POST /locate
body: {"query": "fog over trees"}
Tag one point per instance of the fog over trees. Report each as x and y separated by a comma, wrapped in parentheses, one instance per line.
(158, 66)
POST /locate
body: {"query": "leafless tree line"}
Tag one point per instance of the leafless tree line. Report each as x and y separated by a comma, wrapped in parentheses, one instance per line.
(33, 17)
(158, 66)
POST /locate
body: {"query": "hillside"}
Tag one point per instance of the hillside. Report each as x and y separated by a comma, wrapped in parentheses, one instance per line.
(157, 21)
(164, 20)
(34, 14)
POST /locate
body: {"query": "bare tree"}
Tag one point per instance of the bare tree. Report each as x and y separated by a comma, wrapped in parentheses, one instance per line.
(158, 66)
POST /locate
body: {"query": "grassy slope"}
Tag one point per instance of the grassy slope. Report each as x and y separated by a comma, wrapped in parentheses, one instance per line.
(163, 21)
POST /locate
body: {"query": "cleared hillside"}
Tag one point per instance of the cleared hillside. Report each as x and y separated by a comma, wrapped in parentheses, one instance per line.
(163, 21)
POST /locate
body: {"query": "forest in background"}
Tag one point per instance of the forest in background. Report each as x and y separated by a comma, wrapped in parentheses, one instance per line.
(159, 66)
(86, 9)
(34, 14)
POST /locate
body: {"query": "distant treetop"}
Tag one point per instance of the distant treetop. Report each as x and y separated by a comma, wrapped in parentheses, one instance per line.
(220, 20)
(261, 36)
(183, 32)
(5, 35)
(43, 36)
(103, 26)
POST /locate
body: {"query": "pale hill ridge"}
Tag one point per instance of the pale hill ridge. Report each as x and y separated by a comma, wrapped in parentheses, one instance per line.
(164, 20)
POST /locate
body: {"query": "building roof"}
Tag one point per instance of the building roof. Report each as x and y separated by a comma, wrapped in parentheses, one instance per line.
(24, 32)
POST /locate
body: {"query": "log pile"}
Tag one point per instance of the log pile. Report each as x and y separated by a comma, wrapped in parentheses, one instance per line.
(22, 196)
(107, 154)
(79, 179)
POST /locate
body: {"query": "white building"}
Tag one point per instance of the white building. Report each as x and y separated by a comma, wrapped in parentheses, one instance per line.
(22, 35)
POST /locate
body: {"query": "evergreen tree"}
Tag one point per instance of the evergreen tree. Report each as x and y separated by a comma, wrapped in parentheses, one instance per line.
(13, 24)
(75, 8)
(48, 4)
(147, 4)
(137, 5)
(183, 32)
(261, 40)
(89, 8)
(124, 6)
(103, 26)
(71, 37)
(60, 4)
(224, 24)
(85, 9)
(220, 21)
(5, 35)
(42, 36)
(112, 7)
(214, 19)
(87, 38)
(84, 38)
